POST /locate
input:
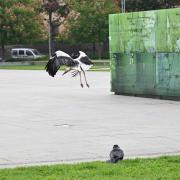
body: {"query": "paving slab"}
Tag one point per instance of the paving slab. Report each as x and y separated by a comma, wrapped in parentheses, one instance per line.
(53, 120)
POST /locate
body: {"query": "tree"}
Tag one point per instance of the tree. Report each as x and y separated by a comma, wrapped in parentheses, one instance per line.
(60, 10)
(91, 21)
(18, 22)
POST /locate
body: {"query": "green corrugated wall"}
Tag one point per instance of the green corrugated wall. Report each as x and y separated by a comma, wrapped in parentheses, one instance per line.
(145, 53)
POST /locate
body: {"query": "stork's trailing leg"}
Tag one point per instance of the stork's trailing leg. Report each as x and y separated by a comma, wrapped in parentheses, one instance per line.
(85, 79)
(74, 73)
(80, 80)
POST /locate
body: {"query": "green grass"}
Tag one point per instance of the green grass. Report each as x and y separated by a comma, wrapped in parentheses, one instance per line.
(162, 168)
(40, 67)
(26, 67)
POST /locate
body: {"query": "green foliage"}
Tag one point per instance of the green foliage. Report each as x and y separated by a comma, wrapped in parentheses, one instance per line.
(90, 22)
(53, 6)
(18, 22)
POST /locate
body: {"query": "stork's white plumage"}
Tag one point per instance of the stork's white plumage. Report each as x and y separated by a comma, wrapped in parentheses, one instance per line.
(76, 66)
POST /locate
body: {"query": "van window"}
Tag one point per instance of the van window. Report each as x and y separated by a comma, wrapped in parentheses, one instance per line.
(21, 52)
(35, 52)
(29, 53)
(14, 53)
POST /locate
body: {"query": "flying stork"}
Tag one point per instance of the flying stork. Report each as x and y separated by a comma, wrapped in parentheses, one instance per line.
(76, 66)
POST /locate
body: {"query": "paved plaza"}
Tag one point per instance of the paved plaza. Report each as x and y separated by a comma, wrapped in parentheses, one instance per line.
(54, 120)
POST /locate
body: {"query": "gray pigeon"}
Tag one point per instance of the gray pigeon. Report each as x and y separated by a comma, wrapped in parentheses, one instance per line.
(116, 154)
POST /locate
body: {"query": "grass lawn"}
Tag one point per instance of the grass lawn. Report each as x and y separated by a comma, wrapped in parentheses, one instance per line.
(26, 67)
(162, 168)
(40, 67)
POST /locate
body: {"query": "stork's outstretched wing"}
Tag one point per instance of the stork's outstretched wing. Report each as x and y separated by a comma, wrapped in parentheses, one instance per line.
(83, 58)
(60, 58)
(86, 60)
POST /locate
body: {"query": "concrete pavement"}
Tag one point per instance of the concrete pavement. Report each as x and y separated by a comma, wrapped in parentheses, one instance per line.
(52, 120)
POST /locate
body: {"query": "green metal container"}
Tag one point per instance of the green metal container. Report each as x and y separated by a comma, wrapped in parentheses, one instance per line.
(145, 53)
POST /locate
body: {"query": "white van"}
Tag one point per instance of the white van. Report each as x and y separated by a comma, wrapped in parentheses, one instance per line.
(25, 53)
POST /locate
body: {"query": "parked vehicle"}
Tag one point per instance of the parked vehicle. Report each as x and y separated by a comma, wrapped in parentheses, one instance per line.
(25, 53)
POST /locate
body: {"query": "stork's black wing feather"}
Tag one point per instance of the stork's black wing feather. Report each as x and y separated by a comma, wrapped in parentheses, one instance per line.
(86, 60)
(56, 62)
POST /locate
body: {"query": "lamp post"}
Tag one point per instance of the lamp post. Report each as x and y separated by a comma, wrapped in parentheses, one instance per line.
(49, 33)
(123, 6)
(50, 6)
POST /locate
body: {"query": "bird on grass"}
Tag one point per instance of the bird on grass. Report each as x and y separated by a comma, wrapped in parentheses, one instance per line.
(116, 154)
(74, 65)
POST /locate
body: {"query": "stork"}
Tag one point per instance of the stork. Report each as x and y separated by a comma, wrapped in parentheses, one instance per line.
(77, 66)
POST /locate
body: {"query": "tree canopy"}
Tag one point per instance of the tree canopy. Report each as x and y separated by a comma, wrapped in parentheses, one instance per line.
(90, 23)
(19, 22)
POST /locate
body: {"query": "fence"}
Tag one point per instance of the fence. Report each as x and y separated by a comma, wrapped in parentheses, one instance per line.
(95, 51)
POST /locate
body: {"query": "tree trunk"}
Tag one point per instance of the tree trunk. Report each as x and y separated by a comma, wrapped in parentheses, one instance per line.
(3, 51)
(94, 50)
(2, 48)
